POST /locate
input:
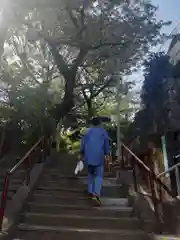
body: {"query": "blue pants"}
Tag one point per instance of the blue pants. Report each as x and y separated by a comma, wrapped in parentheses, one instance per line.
(95, 177)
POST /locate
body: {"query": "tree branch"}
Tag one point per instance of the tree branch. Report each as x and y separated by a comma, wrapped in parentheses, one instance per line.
(101, 89)
(61, 64)
(85, 95)
(73, 18)
(106, 44)
(82, 53)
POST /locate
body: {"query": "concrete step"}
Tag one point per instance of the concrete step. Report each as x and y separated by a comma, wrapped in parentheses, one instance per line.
(56, 173)
(14, 179)
(14, 182)
(82, 180)
(70, 168)
(79, 221)
(60, 177)
(60, 192)
(56, 185)
(12, 189)
(84, 210)
(16, 173)
(112, 192)
(166, 237)
(50, 199)
(12, 186)
(11, 193)
(29, 232)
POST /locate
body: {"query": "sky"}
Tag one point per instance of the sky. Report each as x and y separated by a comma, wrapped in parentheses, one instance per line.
(169, 10)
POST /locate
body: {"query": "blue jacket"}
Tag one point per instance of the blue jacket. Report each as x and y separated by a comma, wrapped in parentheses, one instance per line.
(94, 145)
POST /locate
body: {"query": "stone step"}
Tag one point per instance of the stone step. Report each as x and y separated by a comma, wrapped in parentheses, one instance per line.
(166, 237)
(78, 185)
(79, 221)
(82, 200)
(13, 187)
(107, 191)
(40, 232)
(16, 173)
(84, 210)
(11, 193)
(56, 173)
(82, 180)
(60, 189)
(13, 181)
(57, 185)
(83, 186)
(69, 167)
(15, 178)
(51, 177)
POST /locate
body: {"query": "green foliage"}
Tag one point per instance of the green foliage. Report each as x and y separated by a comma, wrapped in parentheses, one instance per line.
(63, 143)
(67, 143)
(75, 147)
(159, 99)
(67, 55)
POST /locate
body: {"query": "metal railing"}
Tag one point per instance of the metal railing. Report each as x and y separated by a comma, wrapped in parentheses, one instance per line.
(37, 153)
(174, 168)
(144, 176)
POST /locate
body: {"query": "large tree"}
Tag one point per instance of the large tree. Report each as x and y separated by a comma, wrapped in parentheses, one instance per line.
(110, 36)
(160, 103)
(154, 95)
(58, 55)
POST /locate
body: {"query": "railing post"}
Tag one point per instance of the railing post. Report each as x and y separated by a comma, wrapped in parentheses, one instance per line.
(134, 175)
(160, 192)
(42, 150)
(48, 147)
(155, 203)
(27, 180)
(122, 157)
(177, 180)
(4, 199)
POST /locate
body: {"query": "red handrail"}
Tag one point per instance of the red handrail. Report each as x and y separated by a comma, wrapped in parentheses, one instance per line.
(146, 168)
(41, 143)
(136, 158)
(152, 178)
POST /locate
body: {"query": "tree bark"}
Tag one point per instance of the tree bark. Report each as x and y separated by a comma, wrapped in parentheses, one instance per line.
(91, 112)
(69, 75)
(67, 104)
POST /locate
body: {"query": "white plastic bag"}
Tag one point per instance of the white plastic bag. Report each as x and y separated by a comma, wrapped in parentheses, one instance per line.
(79, 167)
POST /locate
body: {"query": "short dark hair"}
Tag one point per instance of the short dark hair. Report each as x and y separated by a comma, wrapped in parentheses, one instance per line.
(96, 121)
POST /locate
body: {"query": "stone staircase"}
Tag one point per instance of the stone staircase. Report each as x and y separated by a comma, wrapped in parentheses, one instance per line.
(59, 209)
(6, 163)
(15, 181)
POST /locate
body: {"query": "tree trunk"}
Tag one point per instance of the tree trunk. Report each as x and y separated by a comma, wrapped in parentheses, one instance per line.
(69, 75)
(91, 112)
(67, 104)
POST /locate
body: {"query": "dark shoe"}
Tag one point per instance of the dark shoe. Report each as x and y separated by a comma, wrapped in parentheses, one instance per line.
(96, 201)
(90, 195)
